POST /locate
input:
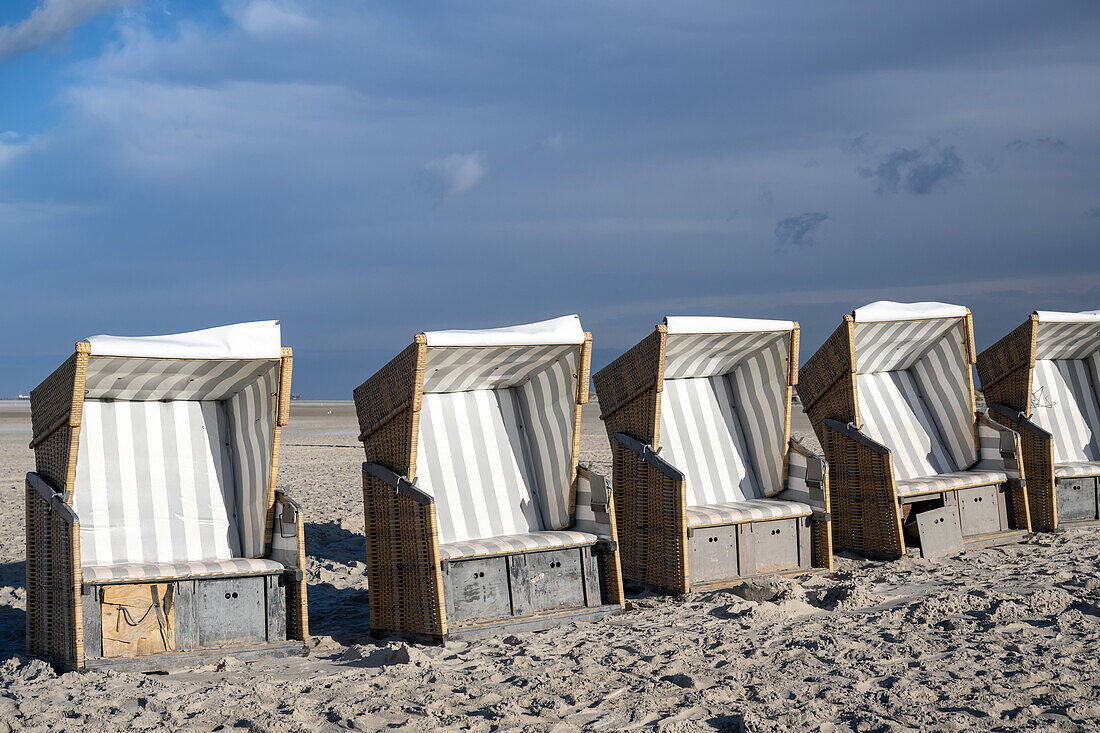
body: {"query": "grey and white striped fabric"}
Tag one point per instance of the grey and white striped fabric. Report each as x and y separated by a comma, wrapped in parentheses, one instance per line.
(893, 412)
(176, 481)
(498, 460)
(1081, 468)
(591, 513)
(990, 456)
(941, 374)
(154, 483)
(169, 570)
(528, 542)
(1067, 340)
(797, 487)
(891, 345)
(1064, 402)
(948, 481)
(745, 511)
(251, 417)
(132, 378)
(548, 405)
(760, 395)
(710, 355)
(465, 368)
(702, 437)
(473, 458)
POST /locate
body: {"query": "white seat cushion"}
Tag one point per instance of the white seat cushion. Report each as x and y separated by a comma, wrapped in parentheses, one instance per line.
(529, 542)
(1079, 468)
(174, 570)
(948, 481)
(736, 512)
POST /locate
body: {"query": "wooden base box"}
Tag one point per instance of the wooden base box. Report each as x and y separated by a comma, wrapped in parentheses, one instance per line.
(729, 553)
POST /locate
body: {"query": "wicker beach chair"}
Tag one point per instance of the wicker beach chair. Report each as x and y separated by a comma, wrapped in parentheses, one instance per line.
(155, 536)
(709, 487)
(891, 396)
(1041, 380)
(478, 517)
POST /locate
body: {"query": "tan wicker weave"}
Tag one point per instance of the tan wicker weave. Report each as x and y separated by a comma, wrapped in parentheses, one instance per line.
(403, 561)
(651, 496)
(867, 515)
(54, 615)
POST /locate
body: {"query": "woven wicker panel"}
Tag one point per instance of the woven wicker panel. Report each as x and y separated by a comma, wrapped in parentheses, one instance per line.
(391, 388)
(54, 625)
(1037, 452)
(652, 523)
(52, 400)
(834, 359)
(1004, 369)
(628, 389)
(861, 482)
(55, 458)
(286, 369)
(403, 568)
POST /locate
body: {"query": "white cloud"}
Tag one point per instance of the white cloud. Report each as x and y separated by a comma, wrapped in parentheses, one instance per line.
(9, 149)
(50, 21)
(266, 18)
(459, 172)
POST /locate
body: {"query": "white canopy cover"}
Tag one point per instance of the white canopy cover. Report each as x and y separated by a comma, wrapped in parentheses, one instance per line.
(1062, 317)
(255, 340)
(717, 324)
(888, 310)
(556, 331)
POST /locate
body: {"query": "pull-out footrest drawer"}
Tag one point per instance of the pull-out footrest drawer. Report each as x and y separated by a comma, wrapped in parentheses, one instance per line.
(123, 620)
(1077, 499)
(735, 551)
(520, 585)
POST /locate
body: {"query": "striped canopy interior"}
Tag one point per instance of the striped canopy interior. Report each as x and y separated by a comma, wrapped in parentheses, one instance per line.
(1067, 340)
(173, 459)
(1064, 401)
(913, 384)
(723, 413)
(495, 438)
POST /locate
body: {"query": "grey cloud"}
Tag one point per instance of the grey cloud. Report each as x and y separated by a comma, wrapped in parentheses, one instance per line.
(51, 20)
(1093, 213)
(918, 171)
(799, 229)
(1045, 143)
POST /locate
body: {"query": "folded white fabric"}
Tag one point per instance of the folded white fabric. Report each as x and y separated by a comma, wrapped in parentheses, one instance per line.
(1062, 317)
(888, 310)
(564, 330)
(255, 340)
(717, 324)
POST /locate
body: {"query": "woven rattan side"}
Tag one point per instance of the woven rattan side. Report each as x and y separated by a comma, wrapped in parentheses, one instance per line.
(651, 519)
(826, 382)
(282, 417)
(1004, 369)
(1037, 464)
(57, 405)
(54, 626)
(403, 566)
(584, 370)
(628, 390)
(388, 405)
(861, 479)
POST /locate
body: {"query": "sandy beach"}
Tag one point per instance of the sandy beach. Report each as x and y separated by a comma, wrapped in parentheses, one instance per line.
(998, 639)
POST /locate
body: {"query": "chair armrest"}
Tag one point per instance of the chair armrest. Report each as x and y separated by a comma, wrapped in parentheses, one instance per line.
(1020, 421)
(399, 484)
(650, 456)
(806, 479)
(287, 534)
(852, 432)
(55, 501)
(593, 510)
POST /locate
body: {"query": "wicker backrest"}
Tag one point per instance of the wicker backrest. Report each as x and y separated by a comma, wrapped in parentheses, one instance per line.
(172, 457)
(490, 421)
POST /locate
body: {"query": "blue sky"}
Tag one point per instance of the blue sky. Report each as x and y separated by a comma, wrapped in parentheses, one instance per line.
(364, 170)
